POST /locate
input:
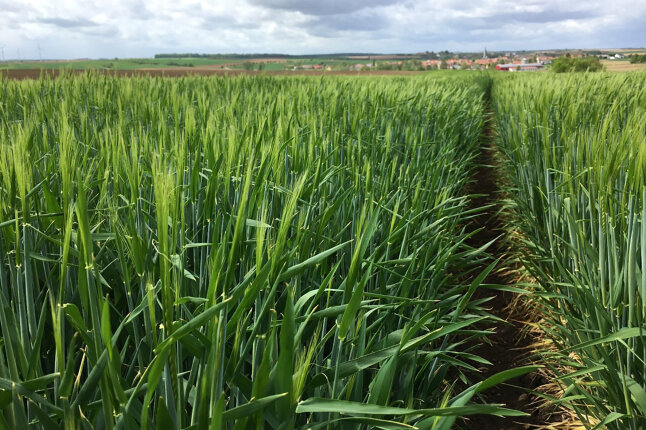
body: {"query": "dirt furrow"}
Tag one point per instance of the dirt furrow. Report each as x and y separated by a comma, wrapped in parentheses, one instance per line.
(510, 345)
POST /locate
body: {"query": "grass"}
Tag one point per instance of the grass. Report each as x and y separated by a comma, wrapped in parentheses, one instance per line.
(246, 252)
(576, 155)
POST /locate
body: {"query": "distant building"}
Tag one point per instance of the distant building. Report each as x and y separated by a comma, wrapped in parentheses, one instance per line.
(524, 67)
(484, 54)
(433, 64)
(485, 62)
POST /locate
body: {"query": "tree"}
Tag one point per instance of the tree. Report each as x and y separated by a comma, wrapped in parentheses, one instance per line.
(570, 64)
(588, 64)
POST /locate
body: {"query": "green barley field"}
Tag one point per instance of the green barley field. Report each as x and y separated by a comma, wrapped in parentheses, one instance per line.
(575, 152)
(259, 252)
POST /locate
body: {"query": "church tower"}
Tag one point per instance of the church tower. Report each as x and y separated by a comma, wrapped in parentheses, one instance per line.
(484, 54)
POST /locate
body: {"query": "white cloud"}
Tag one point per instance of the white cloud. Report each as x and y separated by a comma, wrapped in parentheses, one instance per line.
(71, 28)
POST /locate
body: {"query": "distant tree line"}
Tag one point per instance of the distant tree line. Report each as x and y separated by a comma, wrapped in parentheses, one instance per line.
(428, 55)
(254, 56)
(637, 59)
(220, 56)
(570, 64)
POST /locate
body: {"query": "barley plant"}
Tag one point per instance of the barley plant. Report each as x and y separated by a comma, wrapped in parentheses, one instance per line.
(575, 148)
(246, 252)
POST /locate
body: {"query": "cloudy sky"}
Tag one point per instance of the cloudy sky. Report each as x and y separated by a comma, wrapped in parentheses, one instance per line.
(141, 28)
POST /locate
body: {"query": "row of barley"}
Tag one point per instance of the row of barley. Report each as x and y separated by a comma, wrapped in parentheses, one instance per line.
(575, 150)
(247, 252)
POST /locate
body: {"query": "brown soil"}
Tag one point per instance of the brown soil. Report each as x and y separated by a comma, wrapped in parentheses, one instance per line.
(511, 345)
(189, 71)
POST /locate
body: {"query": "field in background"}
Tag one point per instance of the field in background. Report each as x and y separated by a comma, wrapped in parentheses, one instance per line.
(197, 63)
(622, 66)
(114, 64)
(183, 72)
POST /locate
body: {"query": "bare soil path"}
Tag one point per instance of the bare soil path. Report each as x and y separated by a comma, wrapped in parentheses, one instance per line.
(510, 346)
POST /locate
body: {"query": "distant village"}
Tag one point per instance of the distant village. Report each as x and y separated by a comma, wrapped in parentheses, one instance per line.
(510, 61)
(507, 61)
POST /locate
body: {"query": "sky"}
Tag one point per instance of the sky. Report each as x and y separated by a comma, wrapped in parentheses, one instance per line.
(62, 29)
